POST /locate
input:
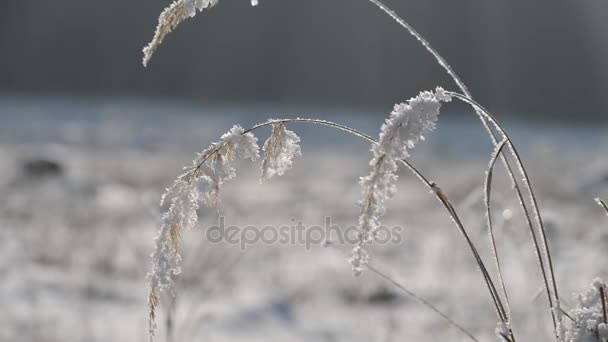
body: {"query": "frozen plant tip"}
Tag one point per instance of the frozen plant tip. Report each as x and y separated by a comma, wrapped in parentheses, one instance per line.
(174, 15)
(407, 124)
(170, 18)
(200, 183)
(279, 151)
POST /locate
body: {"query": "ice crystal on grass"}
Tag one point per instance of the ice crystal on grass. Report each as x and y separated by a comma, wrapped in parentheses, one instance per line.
(589, 316)
(279, 151)
(407, 124)
(200, 183)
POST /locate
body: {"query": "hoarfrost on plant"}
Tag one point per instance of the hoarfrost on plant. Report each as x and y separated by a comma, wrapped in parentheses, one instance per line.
(407, 124)
(173, 16)
(279, 151)
(200, 183)
(170, 18)
(589, 315)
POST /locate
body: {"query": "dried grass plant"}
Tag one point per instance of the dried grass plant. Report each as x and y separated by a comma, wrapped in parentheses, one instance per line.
(407, 124)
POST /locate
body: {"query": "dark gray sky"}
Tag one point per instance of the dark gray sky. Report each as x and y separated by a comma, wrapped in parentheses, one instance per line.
(533, 57)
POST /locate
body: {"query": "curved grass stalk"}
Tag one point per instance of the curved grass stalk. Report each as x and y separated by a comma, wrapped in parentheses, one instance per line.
(274, 121)
(547, 254)
(501, 312)
(535, 240)
(440, 60)
(487, 203)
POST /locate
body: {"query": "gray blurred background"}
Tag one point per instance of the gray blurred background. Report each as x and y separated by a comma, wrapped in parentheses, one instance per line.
(542, 58)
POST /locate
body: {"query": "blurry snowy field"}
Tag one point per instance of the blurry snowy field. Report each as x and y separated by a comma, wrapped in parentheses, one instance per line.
(80, 183)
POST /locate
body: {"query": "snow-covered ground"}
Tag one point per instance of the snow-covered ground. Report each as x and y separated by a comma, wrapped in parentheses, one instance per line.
(80, 183)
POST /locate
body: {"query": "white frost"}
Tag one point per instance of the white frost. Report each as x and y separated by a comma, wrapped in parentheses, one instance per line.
(279, 151)
(170, 18)
(589, 315)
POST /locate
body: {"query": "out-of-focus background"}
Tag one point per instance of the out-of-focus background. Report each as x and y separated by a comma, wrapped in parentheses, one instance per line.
(89, 138)
(534, 59)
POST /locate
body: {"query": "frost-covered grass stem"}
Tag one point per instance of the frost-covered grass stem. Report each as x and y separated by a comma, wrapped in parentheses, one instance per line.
(552, 293)
(548, 276)
(440, 60)
(487, 204)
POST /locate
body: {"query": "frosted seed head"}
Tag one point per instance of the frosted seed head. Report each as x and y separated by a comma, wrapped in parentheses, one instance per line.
(406, 125)
(200, 183)
(244, 144)
(279, 151)
(170, 18)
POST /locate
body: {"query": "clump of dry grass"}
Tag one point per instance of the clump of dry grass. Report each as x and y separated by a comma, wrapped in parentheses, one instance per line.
(408, 123)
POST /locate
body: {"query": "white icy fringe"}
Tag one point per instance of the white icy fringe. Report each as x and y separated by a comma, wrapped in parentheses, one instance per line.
(174, 15)
(279, 151)
(407, 124)
(170, 18)
(589, 316)
(200, 183)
